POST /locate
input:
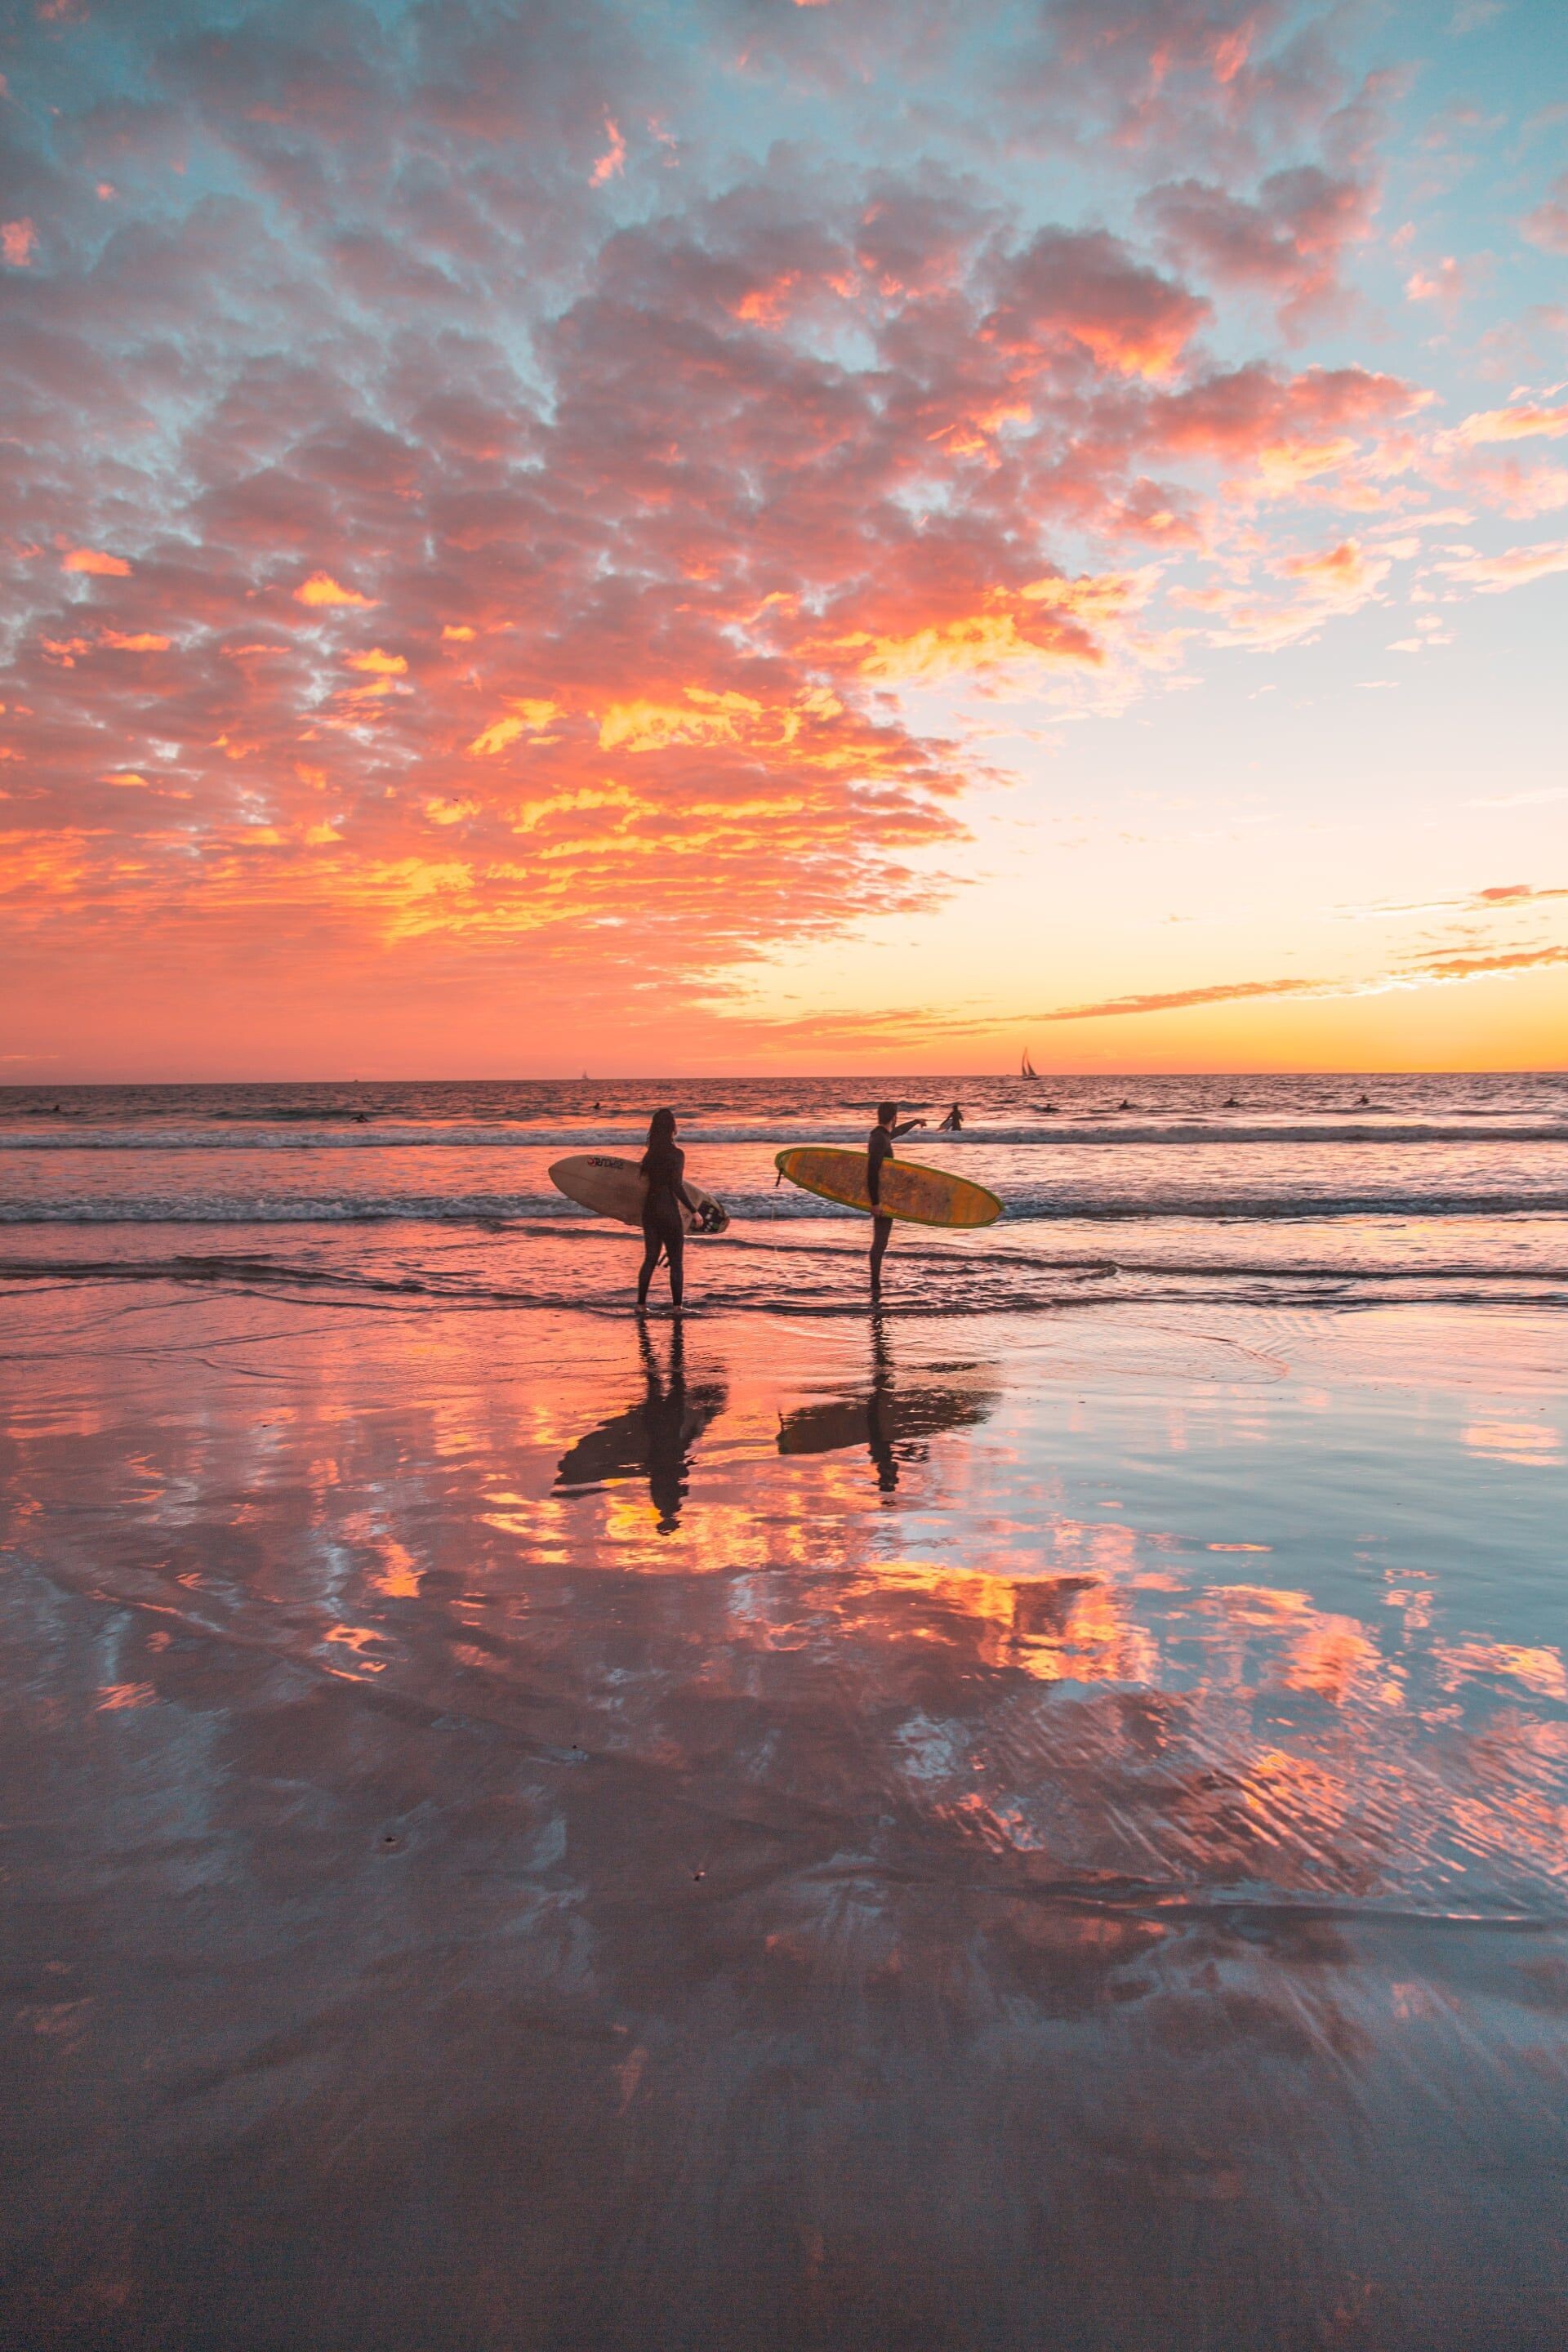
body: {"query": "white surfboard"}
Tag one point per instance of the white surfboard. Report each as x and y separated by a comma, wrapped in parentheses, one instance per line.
(613, 1188)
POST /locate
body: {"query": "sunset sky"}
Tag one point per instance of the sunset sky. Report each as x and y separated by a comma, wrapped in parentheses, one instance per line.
(745, 535)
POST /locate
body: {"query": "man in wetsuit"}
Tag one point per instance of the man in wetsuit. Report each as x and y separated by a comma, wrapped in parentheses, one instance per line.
(879, 1152)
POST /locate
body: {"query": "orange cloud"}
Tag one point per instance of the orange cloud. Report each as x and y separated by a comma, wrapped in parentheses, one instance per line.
(1523, 422)
(1284, 466)
(530, 716)
(91, 560)
(1344, 576)
(1023, 628)
(377, 664)
(17, 240)
(769, 306)
(1477, 966)
(321, 589)
(704, 717)
(496, 737)
(1174, 1000)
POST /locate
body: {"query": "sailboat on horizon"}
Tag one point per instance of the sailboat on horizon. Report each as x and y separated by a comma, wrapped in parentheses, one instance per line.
(1029, 1069)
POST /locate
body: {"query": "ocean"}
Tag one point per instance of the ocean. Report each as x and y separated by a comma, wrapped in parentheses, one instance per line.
(1299, 1189)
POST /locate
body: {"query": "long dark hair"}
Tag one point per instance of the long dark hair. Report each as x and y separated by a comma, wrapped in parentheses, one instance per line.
(661, 1129)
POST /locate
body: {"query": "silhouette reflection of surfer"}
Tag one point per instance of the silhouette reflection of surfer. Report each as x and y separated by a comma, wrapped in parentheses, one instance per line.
(890, 1421)
(879, 1408)
(653, 1438)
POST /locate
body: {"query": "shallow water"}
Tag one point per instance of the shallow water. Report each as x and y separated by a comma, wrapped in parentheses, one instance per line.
(1435, 1189)
(920, 1830)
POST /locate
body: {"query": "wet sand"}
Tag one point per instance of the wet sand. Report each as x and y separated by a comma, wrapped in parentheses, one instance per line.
(920, 1834)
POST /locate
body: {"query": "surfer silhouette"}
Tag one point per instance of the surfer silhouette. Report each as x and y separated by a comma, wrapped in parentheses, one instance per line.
(879, 1150)
(953, 1123)
(879, 1409)
(663, 1166)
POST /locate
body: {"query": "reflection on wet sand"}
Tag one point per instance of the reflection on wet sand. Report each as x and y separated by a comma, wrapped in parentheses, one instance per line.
(890, 1421)
(653, 1438)
(454, 1906)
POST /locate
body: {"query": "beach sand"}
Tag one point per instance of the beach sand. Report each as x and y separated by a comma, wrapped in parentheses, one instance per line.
(1009, 1832)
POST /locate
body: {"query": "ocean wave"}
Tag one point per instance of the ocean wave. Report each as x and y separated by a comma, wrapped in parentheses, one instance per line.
(781, 1205)
(324, 1136)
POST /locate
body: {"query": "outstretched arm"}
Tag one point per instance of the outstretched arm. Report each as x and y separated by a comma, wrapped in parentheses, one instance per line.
(908, 1128)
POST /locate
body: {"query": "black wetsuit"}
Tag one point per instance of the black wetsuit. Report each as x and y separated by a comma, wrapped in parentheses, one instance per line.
(664, 1233)
(879, 1151)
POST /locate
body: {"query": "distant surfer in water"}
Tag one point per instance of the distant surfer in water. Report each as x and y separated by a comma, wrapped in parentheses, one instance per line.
(879, 1150)
(663, 1167)
(953, 1123)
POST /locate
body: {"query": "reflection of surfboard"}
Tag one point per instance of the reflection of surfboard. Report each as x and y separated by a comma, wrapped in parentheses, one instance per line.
(921, 1196)
(613, 1188)
(894, 1415)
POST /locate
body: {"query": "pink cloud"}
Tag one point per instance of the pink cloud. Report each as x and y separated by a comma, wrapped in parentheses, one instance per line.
(1547, 225)
(1288, 242)
(613, 162)
(1514, 568)
(1157, 77)
(1084, 294)
(1444, 283)
(19, 241)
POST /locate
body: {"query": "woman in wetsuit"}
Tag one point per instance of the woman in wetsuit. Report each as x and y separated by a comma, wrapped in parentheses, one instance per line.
(664, 1234)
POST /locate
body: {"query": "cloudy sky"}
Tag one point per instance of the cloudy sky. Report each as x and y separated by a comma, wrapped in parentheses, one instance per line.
(736, 534)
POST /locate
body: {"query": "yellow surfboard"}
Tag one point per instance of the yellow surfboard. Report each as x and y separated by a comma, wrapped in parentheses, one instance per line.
(920, 1196)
